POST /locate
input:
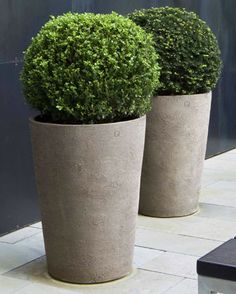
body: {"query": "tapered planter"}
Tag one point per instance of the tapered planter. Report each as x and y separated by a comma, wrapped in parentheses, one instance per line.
(88, 179)
(176, 137)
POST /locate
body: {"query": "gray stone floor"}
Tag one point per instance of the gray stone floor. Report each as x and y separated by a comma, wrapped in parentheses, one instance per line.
(166, 249)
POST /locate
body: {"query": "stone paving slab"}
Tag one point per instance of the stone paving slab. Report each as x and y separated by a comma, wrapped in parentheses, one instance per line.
(186, 286)
(174, 243)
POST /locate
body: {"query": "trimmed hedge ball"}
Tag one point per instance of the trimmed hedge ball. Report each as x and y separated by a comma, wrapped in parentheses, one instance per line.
(90, 68)
(189, 53)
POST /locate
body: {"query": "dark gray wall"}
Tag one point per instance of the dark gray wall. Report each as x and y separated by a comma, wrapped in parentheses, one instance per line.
(19, 21)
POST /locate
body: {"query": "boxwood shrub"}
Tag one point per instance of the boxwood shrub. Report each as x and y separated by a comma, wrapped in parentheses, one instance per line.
(189, 53)
(90, 68)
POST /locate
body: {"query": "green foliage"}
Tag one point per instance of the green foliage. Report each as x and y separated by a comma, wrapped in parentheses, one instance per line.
(189, 53)
(90, 68)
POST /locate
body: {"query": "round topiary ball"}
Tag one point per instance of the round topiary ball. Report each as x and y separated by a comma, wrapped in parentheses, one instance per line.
(189, 53)
(90, 68)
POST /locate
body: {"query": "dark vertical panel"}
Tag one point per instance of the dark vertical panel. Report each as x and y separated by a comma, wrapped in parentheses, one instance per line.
(222, 135)
(107, 6)
(19, 21)
(18, 205)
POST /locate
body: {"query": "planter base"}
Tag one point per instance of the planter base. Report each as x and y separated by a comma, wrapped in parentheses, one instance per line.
(150, 214)
(121, 277)
(127, 276)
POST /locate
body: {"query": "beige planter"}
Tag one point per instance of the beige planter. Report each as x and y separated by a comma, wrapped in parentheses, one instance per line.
(88, 179)
(176, 138)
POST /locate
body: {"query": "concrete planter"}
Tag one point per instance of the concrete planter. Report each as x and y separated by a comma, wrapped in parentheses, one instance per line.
(88, 179)
(176, 137)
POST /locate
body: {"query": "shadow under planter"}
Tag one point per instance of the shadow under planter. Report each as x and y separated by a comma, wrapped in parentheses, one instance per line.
(88, 179)
(176, 138)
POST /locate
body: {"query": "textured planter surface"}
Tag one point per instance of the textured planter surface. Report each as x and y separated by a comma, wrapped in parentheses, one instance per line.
(88, 179)
(176, 137)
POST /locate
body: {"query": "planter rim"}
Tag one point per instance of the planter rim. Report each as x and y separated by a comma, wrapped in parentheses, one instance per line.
(33, 120)
(184, 95)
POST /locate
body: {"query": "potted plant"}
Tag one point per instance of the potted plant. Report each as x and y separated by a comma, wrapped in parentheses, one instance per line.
(91, 77)
(177, 126)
